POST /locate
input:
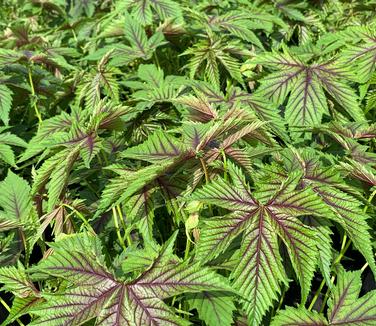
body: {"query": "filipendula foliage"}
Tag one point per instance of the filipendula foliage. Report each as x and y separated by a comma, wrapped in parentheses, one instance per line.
(187, 162)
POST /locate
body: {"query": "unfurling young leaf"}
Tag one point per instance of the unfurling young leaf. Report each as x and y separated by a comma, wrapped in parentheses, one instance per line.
(168, 162)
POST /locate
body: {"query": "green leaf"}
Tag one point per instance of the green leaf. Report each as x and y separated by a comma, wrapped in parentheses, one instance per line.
(215, 308)
(20, 307)
(135, 34)
(158, 147)
(345, 306)
(298, 317)
(111, 301)
(15, 280)
(5, 103)
(303, 84)
(59, 177)
(15, 198)
(259, 272)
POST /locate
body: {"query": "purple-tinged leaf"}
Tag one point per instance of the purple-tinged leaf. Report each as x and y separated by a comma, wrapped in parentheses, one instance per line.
(20, 307)
(259, 272)
(362, 57)
(93, 292)
(158, 147)
(345, 306)
(221, 193)
(299, 317)
(199, 109)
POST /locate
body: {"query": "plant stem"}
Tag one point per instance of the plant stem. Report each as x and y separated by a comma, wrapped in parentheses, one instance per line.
(206, 180)
(116, 222)
(281, 299)
(8, 308)
(82, 218)
(156, 59)
(37, 113)
(205, 170)
(344, 247)
(187, 248)
(364, 267)
(128, 236)
(224, 164)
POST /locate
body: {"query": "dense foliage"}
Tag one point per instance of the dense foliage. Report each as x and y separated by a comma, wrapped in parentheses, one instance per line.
(187, 162)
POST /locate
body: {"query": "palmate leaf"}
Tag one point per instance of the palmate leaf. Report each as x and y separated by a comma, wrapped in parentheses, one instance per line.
(208, 53)
(140, 46)
(328, 184)
(199, 136)
(129, 183)
(237, 23)
(259, 272)
(96, 293)
(142, 10)
(345, 306)
(304, 84)
(154, 87)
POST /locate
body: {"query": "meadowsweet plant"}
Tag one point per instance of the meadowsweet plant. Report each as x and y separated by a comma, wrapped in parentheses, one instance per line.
(175, 162)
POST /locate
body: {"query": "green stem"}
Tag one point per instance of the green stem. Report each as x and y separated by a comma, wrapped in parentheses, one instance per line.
(224, 164)
(156, 59)
(344, 247)
(187, 248)
(8, 308)
(364, 266)
(316, 295)
(128, 236)
(82, 218)
(281, 300)
(37, 113)
(116, 222)
(326, 297)
(205, 170)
